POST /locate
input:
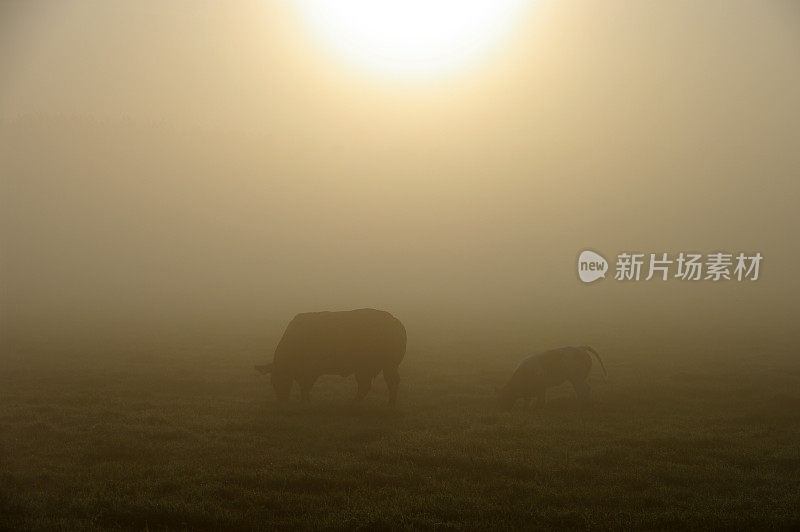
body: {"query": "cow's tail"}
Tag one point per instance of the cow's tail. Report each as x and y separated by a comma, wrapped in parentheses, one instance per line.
(596, 354)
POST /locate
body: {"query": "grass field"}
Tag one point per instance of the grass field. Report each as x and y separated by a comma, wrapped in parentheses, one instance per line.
(195, 440)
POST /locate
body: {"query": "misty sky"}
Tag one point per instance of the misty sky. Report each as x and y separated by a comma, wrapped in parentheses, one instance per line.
(192, 160)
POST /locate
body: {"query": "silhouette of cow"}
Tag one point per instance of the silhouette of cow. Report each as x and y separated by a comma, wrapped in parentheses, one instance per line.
(360, 342)
(541, 371)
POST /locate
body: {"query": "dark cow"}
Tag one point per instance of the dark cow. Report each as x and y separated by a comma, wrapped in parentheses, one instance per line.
(360, 342)
(538, 372)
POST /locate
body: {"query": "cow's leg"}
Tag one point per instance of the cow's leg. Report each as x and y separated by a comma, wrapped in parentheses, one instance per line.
(392, 378)
(528, 400)
(582, 391)
(540, 398)
(364, 384)
(305, 388)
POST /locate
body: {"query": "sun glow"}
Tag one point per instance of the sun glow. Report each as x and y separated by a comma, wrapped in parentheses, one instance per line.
(413, 37)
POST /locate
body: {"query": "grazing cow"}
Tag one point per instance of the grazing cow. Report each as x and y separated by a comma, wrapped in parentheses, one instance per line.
(360, 342)
(538, 372)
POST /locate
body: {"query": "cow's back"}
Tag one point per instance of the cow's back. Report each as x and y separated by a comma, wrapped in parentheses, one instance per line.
(341, 342)
(557, 365)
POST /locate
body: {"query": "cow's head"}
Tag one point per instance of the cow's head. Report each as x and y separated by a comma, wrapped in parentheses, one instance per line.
(281, 383)
(266, 369)
(505, 398)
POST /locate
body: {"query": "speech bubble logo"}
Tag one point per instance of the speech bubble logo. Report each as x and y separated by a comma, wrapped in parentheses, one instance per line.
(591, 266)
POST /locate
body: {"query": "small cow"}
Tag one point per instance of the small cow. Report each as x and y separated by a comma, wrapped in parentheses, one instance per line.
(541, 371)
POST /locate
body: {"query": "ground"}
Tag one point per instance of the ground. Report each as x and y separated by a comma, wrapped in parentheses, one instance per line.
(183, 439)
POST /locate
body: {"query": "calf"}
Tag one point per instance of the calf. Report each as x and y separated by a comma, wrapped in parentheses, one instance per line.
(541, 371)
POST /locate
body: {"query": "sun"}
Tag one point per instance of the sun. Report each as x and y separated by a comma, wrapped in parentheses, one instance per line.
(412, 37)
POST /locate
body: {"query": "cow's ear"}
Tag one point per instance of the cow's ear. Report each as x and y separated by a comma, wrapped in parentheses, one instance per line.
(265, 369)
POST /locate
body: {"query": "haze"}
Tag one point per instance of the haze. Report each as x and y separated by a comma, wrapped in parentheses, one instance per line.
(180, 167)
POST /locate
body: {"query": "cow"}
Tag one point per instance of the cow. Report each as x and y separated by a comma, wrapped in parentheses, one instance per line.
(361, 342)
(541, 371)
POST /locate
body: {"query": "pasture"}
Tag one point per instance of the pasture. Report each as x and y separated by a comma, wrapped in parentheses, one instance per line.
(192, 438)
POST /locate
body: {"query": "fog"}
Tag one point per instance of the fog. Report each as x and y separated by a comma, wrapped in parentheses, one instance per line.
(184, 168)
